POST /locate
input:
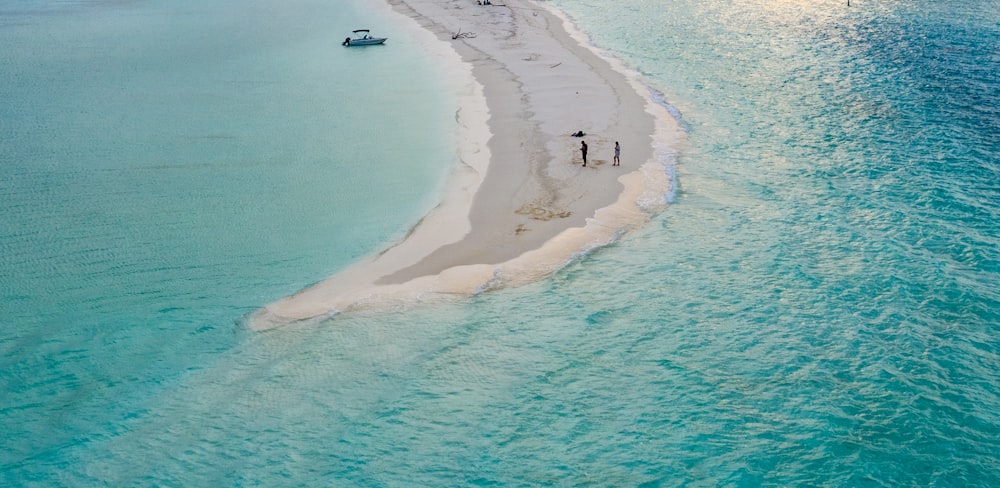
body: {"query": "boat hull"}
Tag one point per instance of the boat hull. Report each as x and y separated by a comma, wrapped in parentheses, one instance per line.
(364, 42)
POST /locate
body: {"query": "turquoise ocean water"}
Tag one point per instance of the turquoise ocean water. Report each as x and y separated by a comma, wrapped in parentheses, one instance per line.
(819, 304)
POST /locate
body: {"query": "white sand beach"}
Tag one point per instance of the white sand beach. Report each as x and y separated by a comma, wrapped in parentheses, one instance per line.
(521, 204)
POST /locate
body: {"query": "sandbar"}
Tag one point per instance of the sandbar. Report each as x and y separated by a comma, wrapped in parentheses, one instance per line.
(520, 204)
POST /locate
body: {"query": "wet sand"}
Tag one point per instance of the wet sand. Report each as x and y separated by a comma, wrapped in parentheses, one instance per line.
(520, 205)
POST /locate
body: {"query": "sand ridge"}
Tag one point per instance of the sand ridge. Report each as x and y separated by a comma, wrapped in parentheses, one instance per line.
(520, 204)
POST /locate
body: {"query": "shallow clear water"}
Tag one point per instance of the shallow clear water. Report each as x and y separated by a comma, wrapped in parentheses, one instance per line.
(818, 305)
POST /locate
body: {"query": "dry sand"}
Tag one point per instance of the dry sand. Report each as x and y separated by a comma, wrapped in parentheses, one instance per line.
(521, 204)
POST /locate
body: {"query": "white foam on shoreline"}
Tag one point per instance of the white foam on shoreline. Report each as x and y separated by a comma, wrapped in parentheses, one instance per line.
(659, 174)
(646, 191)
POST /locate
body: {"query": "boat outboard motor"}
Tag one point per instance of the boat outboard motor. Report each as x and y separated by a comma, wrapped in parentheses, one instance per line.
(347, 42)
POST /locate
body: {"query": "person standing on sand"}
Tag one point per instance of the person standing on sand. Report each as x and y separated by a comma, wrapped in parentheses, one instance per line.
(618, 152)
(583, 149)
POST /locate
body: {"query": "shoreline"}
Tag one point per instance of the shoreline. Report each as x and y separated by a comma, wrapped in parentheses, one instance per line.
(519, 205)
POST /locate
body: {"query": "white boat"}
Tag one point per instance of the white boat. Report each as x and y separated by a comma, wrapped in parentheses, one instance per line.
(363, 37)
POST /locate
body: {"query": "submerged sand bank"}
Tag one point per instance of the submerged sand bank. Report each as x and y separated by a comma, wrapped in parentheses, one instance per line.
(521, 204)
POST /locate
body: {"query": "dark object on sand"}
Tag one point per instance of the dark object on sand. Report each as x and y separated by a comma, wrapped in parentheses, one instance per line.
(463, 35)
(578, 133)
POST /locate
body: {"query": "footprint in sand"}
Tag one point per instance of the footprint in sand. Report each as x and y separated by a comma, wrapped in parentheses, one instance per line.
(540, 213)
